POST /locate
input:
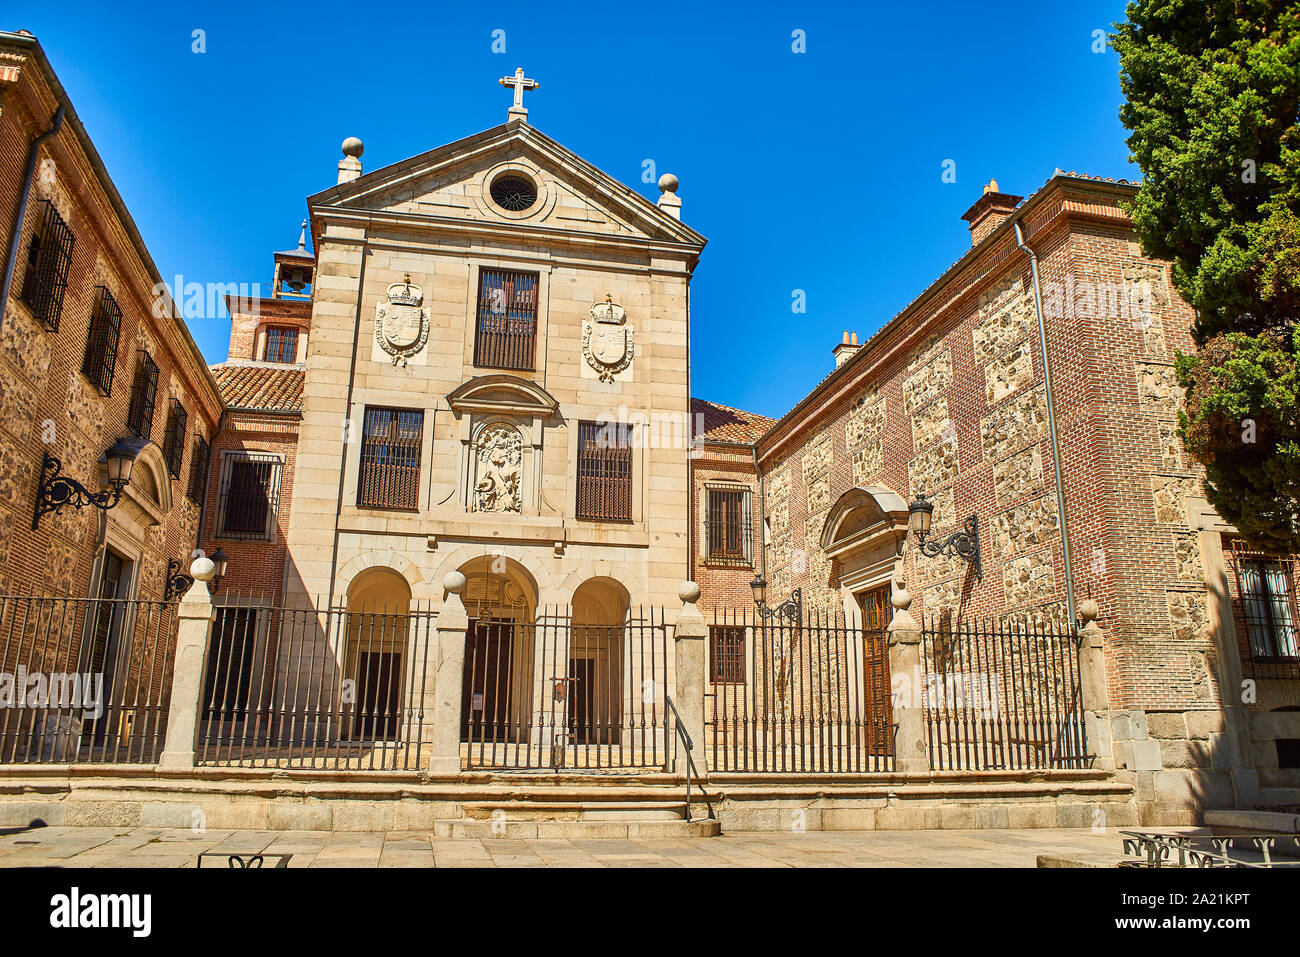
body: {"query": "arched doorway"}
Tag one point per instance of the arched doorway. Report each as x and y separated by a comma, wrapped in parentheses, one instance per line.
(597, 672)
(500, 672)
(375, 656)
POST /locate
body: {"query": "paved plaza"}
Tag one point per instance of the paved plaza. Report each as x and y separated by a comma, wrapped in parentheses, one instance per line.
(178, 847)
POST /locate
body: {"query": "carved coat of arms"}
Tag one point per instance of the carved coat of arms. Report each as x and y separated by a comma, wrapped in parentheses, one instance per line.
(402, 323)
(607, 340)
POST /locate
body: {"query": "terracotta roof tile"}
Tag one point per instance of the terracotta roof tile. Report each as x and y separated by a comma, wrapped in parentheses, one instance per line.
(722, 423)
(278, 388)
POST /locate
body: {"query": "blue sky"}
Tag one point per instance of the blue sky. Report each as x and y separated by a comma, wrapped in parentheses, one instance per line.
(818, 171)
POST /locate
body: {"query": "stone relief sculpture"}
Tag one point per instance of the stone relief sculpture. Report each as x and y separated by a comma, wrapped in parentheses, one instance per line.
(401, 323)
(499, 458)
(607, 340)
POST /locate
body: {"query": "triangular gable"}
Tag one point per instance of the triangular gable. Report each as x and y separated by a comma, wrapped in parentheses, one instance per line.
(450, 182)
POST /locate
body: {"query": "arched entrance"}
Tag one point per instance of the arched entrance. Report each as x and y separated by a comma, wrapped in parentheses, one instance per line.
(500, 672)
(597, 670)
(375, 655)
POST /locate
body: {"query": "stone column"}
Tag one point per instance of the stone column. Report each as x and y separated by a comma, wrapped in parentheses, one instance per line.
(910, 752)
(194, 627)
(688, 695)
(453, 622)
(1094, 693)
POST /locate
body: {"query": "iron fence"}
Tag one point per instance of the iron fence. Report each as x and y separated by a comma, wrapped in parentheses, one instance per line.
(1001, 695)
(808, 695)
(557, 692)
(345, 688)
(84, 679)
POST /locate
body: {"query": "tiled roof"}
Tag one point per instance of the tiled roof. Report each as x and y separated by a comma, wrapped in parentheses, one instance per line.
(722, 423)
(277, 388)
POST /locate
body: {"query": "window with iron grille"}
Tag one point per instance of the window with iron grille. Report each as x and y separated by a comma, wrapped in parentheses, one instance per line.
(281, 344)
(505, 335)
(1267, 591)
(48, 259)
(198, 471)
(100, 358)
(726, 654)
(604, 472)
(174, 438)
(390, 458)
(728, 526)
(250, 494)
(144, 390)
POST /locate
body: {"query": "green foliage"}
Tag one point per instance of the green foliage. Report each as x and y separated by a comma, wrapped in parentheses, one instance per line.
(1212, 91)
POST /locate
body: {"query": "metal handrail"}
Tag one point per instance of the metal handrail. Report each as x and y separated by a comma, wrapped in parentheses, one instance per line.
(687, 744)
(1188, 850)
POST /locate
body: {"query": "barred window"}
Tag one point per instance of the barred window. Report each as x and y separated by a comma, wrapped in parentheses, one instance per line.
(144, 390)
(1267, 591)
(48, 258)
(390, 458)
(174, 439)
(281, 344)
(728, 525)
(250, 494)
(100, 358)
(198, 472)
(604, 472)
(506, 331)
(726, 654)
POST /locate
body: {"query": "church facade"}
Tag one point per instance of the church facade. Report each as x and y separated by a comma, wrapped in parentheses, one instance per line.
(474, 371)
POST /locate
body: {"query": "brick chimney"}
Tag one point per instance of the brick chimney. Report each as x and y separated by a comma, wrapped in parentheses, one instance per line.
(844, 350)
(990, 212)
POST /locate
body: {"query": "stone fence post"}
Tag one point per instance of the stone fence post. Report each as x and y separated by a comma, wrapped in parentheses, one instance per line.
(1094, 694)
(910, 752)
(449, 654)
(688, 695)
(194, 628)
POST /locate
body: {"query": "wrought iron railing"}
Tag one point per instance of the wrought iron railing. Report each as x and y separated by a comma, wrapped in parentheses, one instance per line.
(89, 680)
(682, 742)
(345, 688)
(811, 695)
(1161, 849)
(1001, 695)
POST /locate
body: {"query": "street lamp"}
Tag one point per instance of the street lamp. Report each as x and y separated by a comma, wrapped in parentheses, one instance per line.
(57, 490)
(791, 609)
(965, 543)
(219, 563)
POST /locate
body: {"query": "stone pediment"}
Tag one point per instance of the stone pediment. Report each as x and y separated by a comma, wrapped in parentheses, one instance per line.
(862, 518)
(502, 393)
(453, 183)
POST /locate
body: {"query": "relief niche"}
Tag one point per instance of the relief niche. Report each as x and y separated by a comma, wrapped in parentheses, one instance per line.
(498, 459)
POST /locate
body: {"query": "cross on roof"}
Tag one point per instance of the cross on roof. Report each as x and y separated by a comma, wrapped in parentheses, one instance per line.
(520, 83)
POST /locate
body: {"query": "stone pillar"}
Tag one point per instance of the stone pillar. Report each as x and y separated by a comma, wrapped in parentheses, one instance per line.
(453, 622)
(910, 752)
(1094, 693)
(194, 627)
(688, 695)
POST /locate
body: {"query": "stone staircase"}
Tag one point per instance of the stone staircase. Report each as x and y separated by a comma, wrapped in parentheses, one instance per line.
(586, 816)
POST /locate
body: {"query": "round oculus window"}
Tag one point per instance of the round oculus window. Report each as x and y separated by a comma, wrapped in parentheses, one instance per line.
(513, 192)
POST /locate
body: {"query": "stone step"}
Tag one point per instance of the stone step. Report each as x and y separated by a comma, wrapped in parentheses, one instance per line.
(613, 829)
(575, 810)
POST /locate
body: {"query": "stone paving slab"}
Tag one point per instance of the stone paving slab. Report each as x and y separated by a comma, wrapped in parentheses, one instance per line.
(180, 847)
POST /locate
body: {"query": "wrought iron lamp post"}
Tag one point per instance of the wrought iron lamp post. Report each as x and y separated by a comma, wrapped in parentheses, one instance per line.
(791, 609)
(219, 562)
(965, 543)
(57, 490)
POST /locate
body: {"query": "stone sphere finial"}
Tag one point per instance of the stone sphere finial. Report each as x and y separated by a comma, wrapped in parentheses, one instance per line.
(689, 593)
(901, 598)
(1088, 610)
(668, 183)
(454, 582)
(202, 569)
(352, 146)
